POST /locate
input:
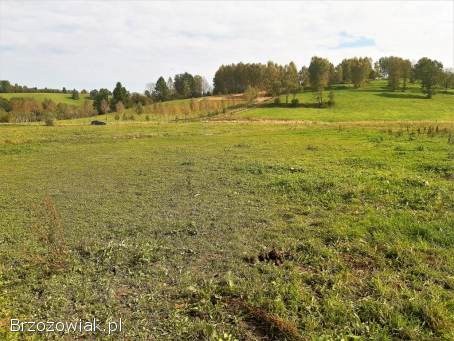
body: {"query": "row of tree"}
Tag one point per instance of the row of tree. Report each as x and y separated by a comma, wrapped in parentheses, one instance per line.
(278, 79)
(395, 69)
(271, 77)
(429, 72)
(249, 78)
(118, 100)
(20, 109)
(183, 85)
(7, 87)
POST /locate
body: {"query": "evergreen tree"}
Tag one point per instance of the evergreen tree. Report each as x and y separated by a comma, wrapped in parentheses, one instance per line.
(119, 94)
(161, 91)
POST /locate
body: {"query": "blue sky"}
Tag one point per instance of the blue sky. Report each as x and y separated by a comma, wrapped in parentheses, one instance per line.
(348, 41)
(89, 44)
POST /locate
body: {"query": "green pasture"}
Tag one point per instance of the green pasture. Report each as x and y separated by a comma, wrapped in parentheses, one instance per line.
(233, 231)
(373, 102)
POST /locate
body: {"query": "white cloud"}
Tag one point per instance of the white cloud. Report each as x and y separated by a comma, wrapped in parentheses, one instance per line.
(94, 44)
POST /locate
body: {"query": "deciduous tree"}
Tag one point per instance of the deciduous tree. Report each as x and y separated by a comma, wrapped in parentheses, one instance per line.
(291, 84)
(319, 76)
(447, 79)
(429, 72)
(360, 70)
(100, 100)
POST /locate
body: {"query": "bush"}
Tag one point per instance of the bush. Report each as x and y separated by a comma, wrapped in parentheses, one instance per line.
(250, 94)
(139, 108)
(331, 100)
(277, 100)
(119, 106)
(4, 116)
(117, 117)
(49, 120)
(4, 104)
(295, 102)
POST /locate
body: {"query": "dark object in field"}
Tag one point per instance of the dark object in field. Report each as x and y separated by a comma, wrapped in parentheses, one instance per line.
(277, 257)
(98, 123)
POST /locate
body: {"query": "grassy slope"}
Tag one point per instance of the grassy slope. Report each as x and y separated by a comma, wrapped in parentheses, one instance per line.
(156, 221)
(373, 102)
(57, 98)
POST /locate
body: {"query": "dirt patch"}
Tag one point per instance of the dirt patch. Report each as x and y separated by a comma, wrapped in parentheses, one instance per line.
(263, 323)
(360, 263)
(262, 99)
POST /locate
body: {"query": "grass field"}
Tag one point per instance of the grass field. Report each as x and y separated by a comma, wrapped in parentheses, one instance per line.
(188, 231)
(373, 102)
(262, 227)
(56, 97)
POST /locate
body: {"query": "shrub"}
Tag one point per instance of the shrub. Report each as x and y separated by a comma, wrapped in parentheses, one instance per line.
(50, 232)
(147, 117)
(4, 116)
(25, 105)
(117, 117)
(139, 108)
(103, 107)
(75, 95)
(5, 105)
(119, 106)
(49, 105)
(65, 111)
(295, 102)
(250, 94)
(49, 120)
(331, 100)
(277, 100)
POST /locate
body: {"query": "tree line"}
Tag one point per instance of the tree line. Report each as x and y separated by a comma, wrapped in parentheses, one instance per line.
(275, 79)
(7, 87)
(118, 100)
(183, 85)
(248, 78)
(21, 109)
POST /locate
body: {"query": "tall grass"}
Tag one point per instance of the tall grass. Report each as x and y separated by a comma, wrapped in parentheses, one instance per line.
(192, 108)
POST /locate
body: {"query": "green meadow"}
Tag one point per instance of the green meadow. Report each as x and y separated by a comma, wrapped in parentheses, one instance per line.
(56, 97)
(373, 102)
(236, 229)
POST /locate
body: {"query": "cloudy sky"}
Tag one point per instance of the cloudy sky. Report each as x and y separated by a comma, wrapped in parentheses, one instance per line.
(89, 44)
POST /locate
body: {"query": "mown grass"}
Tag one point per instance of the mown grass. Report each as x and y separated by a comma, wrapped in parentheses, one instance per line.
(56, 97)
(196, 230)
(373, 102)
